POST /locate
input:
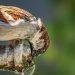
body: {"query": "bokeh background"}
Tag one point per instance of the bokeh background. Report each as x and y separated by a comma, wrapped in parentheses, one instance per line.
(59, 18)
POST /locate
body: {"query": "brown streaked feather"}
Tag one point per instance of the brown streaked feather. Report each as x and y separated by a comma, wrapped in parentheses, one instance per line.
(15, 12)
(44, 36)
(2, 18)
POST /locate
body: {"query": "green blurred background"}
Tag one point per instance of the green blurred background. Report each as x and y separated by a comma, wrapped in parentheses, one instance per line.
(59, 18)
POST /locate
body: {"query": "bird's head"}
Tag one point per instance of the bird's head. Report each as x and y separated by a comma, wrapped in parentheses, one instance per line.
(16, 23)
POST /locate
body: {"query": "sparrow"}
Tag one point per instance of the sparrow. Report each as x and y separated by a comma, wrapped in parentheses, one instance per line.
(22, 37)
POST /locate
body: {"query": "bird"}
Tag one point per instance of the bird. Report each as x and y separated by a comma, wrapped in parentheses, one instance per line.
(22, 37)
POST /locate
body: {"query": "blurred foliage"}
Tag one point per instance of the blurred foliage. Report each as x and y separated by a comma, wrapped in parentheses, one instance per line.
(60, 56)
